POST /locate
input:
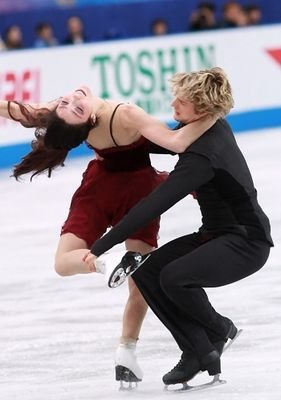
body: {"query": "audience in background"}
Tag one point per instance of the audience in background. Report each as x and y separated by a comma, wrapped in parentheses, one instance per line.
(66, 2)
(75, 31)
(12, 38)
(204, 17)
(159, 27)
(44, 36)
(2, 46)
(253, 14)
(233, 15)
(113, 33)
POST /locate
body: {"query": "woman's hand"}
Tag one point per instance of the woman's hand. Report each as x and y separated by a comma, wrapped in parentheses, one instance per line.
(4, 109)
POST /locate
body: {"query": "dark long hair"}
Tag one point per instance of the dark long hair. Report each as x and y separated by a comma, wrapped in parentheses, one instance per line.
(53, 140)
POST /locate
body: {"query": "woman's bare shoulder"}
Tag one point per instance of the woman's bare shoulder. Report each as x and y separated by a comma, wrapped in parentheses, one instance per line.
(132, 114)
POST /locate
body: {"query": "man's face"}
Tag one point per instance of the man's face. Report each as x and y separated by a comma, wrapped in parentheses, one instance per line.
(183, 110)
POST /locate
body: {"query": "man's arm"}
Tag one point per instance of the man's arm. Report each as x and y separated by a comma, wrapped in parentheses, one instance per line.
(189, 174)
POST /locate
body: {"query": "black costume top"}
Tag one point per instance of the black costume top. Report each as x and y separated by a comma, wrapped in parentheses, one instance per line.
(213, 167)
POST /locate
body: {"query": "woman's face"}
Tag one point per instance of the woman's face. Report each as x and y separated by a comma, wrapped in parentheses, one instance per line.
(76, 107)
(184, 110)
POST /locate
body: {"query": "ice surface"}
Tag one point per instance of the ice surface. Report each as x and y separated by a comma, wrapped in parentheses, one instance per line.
(58, 335)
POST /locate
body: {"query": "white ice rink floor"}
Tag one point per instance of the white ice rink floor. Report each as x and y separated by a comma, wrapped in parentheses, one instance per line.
(58, 335)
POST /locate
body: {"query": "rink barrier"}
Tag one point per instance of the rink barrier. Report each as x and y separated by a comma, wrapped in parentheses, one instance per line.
(240, 122)
(138, 71)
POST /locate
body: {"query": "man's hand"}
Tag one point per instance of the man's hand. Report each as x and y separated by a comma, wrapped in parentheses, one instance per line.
(90, 260)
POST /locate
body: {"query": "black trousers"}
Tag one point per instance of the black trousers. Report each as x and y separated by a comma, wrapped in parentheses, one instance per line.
(173, 277)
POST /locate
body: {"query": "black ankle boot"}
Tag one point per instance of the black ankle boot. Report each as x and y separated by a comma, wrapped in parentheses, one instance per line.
(187, 367)
(211, 363)
(232, 332)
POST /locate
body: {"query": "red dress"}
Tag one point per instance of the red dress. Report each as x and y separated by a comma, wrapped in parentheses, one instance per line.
(110, 188)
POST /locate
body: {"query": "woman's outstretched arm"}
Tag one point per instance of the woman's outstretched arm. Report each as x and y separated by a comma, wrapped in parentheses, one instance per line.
(4, 109)
(20, 111)
(154, 130)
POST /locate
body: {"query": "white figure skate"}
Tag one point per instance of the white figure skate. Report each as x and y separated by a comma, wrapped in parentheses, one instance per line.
(127, 369)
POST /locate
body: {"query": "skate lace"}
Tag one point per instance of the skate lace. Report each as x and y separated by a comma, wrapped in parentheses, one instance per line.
(178, 365)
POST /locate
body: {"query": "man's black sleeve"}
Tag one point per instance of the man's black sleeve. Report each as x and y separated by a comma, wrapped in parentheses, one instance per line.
(156, 149)
(191, 171)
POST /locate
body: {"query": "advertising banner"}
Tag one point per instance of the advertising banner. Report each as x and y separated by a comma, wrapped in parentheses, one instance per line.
(138, 71)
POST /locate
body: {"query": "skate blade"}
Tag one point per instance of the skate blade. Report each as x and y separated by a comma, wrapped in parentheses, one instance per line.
(228, 344)
(117, 277)
(128, 380)
(231, 341)
(192, 388)
(120, 273)
(128, 386)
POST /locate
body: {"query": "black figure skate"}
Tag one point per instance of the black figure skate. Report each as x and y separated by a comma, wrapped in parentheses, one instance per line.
(130, 262)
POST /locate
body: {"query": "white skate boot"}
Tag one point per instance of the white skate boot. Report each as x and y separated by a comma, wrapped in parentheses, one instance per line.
(101, 266)
(105, 264)
(126, 366)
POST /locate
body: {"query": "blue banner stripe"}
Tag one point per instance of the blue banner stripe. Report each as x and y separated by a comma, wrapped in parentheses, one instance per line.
(11, 155)
(254, 120)
(251, 120)
(240, 122)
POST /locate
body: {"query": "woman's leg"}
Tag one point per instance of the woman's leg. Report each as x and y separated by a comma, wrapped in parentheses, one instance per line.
(69, 261)
(136, 306)
(133, 317)
(69, 255)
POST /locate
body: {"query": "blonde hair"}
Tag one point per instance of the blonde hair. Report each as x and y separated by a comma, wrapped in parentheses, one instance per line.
(208, 90)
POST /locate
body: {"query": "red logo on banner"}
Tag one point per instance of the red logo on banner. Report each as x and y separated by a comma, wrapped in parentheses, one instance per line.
(22, 86)
(275, 54)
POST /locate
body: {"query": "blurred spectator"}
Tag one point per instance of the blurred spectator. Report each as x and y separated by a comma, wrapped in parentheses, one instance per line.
(44, 36)
(159, 27)
(113, 33)
(253, 14)
(204, 17)
(233, 15)
(66, 2)
(2, 46)
(12, 38)
(75, 29)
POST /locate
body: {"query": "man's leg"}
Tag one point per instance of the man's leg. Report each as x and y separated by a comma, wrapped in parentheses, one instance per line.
(147, 278)
(195, 340)
(218, 262)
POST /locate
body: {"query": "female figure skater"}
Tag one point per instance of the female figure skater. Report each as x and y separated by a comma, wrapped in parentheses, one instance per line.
(117, 179)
